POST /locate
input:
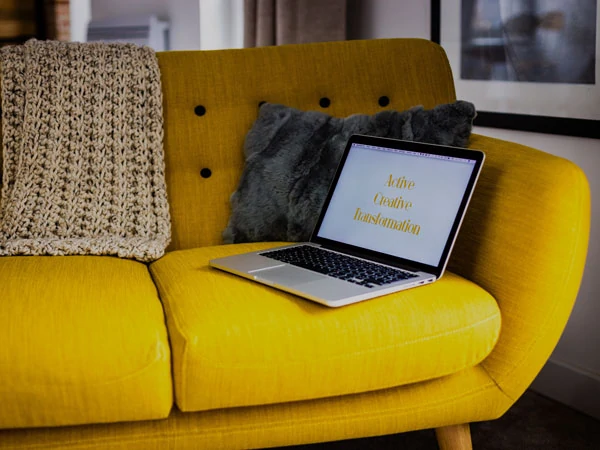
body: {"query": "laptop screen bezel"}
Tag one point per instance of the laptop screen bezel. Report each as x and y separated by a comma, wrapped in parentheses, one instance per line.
(433, 149)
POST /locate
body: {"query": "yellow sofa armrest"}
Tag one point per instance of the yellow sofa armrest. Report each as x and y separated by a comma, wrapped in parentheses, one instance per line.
(525, 241)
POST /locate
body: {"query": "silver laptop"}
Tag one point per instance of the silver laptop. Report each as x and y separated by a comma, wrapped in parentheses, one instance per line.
(388, 223)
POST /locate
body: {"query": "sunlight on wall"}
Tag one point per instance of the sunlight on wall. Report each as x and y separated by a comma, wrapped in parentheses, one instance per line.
(81, 13)
(221, 24)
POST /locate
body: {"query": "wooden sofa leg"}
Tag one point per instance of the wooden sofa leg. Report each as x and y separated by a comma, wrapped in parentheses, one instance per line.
(454, 437)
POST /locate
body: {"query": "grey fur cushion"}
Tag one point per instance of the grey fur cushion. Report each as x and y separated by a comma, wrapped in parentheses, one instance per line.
(292, 155)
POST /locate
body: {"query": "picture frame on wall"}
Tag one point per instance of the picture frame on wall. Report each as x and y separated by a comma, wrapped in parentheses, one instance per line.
(530, 65)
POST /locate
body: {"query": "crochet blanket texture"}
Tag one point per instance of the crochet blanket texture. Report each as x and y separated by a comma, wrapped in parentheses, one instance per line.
(83, 165)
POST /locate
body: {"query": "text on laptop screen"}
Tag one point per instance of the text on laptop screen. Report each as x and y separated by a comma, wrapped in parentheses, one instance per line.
(398, 202)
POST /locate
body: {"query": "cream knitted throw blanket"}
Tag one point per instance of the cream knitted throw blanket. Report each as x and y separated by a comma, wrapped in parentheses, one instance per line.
(83, 166)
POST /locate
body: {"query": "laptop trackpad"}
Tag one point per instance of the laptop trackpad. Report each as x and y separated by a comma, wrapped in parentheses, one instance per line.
(288, 275)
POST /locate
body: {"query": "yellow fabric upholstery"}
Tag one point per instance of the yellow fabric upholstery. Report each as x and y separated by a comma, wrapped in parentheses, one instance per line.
(83, 340)
(524, 243)
(238, 343)
(524, 240)
(465, 396)
(230, 84)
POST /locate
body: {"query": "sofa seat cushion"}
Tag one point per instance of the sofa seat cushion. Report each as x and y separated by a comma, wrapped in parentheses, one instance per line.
(237, 343)
(83, 340)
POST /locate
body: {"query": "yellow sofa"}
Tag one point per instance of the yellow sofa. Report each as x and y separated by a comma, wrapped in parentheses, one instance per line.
(100, 352)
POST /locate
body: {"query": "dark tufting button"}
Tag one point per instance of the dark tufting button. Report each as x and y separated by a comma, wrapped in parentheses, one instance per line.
(200, 110)
(205, 173)
(324, 102)
(261, 103)
(384, 100)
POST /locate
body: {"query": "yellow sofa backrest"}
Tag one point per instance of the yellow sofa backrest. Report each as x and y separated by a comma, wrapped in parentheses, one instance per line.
(211, 99)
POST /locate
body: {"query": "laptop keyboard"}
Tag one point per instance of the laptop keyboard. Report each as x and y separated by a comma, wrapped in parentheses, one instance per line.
(339, 266)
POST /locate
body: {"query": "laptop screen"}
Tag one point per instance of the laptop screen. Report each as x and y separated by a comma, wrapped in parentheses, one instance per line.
(404, 201)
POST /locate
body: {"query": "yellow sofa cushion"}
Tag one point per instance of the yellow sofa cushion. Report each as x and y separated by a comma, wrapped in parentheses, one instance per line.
(83, 340)
(238, 343)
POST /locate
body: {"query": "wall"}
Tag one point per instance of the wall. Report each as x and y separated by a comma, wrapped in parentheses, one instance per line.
(194, 24)
(388, 19)
(221, 24)
(81, 12)
(104, 9)
(573, 372)
(183, 16)
(59, 23)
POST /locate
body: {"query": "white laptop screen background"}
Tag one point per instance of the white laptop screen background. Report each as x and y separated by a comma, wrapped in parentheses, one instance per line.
(403, 206)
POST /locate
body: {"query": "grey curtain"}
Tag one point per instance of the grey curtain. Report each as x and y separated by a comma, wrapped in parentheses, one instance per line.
(275, 22)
